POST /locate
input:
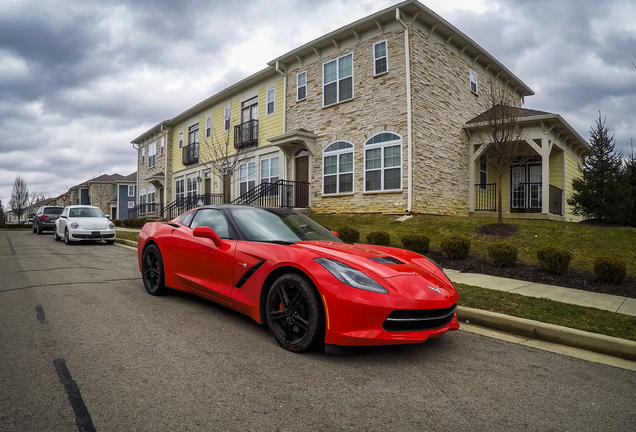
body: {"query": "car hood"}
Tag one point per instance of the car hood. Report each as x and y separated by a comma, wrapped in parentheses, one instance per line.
(91, 223)
(406, 272)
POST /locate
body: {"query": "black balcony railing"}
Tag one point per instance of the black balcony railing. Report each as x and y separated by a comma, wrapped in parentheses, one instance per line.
(556, 200)
(283, 193)
(246, 134)
(183, 204)
(486, 197)
(190, 154)
(526, 197)
(143, 210)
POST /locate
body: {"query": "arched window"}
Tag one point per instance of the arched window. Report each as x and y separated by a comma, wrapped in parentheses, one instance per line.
(383, 162)
(337, 168)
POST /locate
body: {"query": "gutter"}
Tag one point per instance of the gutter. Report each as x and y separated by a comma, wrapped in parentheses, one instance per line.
(284, 74)
(409, 114)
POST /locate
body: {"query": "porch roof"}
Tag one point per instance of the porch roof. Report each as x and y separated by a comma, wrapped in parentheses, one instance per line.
(549, 122)
(287, 142)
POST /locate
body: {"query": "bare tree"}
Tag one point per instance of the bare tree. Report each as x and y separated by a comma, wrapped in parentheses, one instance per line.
(19, 197)
(1, 213)
(222, 156)
(101, 195)
(36, 197)
(501, 136)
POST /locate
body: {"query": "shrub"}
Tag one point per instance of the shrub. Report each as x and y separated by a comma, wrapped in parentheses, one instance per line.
(554, 259)
(416, 243)
(379, 238)
(503, 254)
(349, 235)
(117, 222)
(455, 247)
(610, 269)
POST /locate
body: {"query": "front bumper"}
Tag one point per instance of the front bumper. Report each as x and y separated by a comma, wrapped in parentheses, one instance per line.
(91, 235)
(356, 317)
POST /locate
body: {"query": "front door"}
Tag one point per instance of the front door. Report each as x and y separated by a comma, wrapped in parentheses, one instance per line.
(525, 190)
(301, 192)
(207, 190)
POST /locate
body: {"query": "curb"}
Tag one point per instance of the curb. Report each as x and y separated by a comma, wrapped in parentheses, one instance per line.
(126, 242)
(612, 346)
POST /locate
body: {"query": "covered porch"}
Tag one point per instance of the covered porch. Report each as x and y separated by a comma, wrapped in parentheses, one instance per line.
(539, 175)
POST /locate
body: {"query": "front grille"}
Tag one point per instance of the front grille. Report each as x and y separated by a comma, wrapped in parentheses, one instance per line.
(94, 236)
(386, 260)
(418, 319)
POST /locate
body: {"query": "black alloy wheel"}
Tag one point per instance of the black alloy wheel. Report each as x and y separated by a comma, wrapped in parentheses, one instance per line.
(152, 271)
(67, 240)
(294, 313)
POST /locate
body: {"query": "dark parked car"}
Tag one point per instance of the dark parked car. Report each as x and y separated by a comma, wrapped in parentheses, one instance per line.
(45, 218)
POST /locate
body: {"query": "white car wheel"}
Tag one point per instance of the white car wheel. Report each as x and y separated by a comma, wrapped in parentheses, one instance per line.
(67, 240)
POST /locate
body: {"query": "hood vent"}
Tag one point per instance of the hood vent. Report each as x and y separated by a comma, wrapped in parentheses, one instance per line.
(386, 260)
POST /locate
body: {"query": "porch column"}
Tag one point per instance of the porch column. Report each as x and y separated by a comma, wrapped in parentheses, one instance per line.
(546, 147)
(471, 178)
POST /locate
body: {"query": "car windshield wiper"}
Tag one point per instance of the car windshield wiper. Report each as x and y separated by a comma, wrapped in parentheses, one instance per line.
(283, 242)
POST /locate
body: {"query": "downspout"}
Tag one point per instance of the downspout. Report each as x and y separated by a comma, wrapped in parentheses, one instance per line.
(409, 120)
(165, 171)
(284, 74)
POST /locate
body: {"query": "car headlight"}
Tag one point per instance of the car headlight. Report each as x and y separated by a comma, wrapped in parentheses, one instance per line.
(111, 225)
(350, 276)
(74, 225)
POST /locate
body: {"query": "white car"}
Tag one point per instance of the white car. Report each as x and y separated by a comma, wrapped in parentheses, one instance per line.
(82, 223)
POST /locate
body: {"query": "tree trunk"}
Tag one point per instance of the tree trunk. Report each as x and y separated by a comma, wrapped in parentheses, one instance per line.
(499, 200)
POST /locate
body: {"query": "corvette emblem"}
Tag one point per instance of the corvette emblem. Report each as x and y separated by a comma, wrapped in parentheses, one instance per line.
(436, 289)
(243, 264)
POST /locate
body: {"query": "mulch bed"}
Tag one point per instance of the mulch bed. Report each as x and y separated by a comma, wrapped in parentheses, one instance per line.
(577, 279)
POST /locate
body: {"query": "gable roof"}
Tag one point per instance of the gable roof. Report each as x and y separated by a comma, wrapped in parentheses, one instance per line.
(414, 10)
(515, 111)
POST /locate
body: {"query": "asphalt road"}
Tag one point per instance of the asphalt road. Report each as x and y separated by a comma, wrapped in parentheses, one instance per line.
(83, 347)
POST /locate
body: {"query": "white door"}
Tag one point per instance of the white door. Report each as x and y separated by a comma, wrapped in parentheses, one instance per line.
(535, 186)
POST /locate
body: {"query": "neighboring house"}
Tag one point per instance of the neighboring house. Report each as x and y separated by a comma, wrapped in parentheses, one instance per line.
(11, 217)
(113, 194)
(384, 115)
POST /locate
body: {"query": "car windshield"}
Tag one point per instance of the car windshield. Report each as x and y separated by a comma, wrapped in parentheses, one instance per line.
(53, 210)
(87, 212)
(278, 225)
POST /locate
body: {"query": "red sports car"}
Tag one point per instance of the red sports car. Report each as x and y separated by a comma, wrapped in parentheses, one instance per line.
(281, 268)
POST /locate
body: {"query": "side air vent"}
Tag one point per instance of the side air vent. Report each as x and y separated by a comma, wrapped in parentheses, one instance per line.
(386, 260)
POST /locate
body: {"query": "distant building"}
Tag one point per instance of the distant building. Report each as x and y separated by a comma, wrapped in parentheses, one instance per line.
(114, 194)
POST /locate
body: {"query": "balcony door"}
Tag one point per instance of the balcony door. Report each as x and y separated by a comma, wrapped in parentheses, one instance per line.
(249, 112)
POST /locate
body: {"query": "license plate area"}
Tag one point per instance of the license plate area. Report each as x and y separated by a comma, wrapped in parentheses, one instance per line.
(95, 234)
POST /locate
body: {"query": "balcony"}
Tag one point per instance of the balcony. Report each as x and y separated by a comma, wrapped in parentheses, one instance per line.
(246, 134)
(190, 154)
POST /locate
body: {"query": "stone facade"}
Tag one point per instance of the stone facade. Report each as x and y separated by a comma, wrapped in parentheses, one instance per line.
(150, 177)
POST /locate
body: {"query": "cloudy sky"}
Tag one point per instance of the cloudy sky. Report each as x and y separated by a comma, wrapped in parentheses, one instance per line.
(79, 79)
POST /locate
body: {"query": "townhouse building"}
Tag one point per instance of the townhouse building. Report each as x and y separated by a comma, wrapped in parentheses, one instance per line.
(387, 114)
(114, 194)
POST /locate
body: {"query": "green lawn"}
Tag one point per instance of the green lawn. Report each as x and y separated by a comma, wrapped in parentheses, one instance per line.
(584, 241)
(549, 311)
(127, 235)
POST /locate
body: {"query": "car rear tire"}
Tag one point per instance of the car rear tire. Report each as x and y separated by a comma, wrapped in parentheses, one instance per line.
(34, 229)
(55, 236)
(294, 313)
(152, 271)
(67, 240)
(39, 230)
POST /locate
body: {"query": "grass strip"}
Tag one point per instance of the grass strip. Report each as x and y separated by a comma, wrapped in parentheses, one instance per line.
(127, 235)
(549, 311)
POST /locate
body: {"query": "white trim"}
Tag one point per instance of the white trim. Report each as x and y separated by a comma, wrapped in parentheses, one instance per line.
(208, 126)
(299, 86)
(338, 153)
(472, 77)
(180, 140)
(227, 118)
(382, 146)
(386, 56)
(338, 79)
(133, 191)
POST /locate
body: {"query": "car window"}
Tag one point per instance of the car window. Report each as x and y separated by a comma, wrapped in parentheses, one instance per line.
(86, 212)
(53, 210)
(213, 219)
(187, 218)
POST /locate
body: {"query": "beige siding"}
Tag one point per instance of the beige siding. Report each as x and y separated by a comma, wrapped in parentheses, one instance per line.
(556, 167)
(572, 171)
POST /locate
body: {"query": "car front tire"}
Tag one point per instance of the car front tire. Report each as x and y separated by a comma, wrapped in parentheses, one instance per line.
(152, 271)
(67, 240)
(110, 242)
(55, 236)
(294, 313)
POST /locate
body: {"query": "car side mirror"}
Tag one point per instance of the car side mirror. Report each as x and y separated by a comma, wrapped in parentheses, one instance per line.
(63, 216)
(335, 233)
(209, 233)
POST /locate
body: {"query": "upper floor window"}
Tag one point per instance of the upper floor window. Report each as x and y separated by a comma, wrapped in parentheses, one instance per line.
(227, 118)
(383, 162)
(152, 151)
(301, 86)
(180, 140)
(473, 81)
(131, 191)
(337, 168)
(271, 101)
(380, 58)
(193, 134)
(208, 127)
(143, 155)
(161, 144)
(337, 80)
